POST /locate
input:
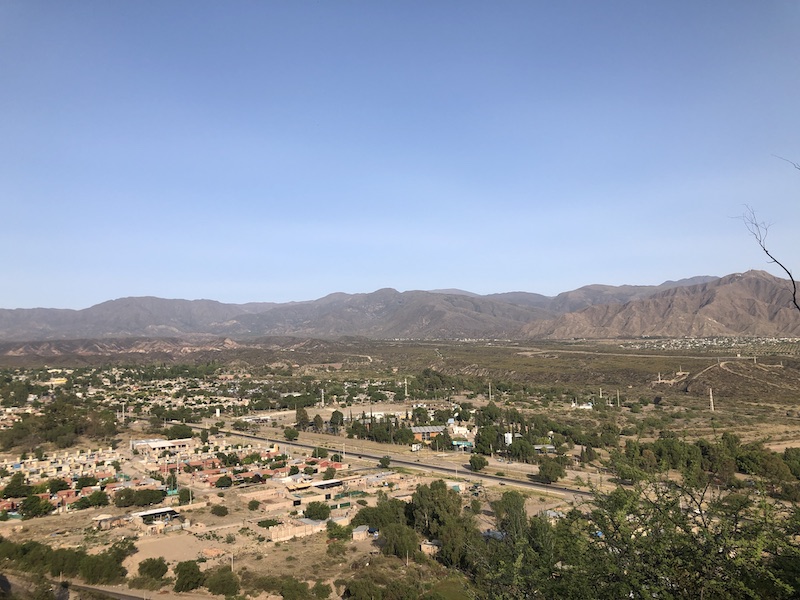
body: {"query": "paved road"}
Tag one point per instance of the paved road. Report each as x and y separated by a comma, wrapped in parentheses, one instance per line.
(422, 464)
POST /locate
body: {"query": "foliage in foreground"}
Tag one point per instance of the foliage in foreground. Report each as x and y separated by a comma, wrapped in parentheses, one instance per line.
(34, 557)
(667, 538)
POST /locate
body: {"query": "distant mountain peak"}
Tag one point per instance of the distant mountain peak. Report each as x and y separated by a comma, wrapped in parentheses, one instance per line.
(750, 303)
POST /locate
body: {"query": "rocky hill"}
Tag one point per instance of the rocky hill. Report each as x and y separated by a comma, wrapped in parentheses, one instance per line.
(753, 303)
(744, 304)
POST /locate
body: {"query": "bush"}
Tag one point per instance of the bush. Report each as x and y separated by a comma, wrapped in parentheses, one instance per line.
(253, 505)
(321, 590)
(153, 568)
(267, 523)
(222, 582)
(219, 511)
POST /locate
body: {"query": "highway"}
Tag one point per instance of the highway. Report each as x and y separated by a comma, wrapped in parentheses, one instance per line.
(421, 464)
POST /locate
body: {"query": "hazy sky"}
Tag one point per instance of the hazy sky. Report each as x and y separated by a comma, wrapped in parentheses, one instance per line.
(277, 151)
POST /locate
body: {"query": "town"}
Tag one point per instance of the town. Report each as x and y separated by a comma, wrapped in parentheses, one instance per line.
(199, 476)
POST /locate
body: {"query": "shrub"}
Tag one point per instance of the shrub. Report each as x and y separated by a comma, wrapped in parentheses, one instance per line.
(219, 511)
(153, 568)
(222, 582)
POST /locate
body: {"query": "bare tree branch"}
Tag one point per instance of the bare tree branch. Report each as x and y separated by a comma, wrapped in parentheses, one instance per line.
(759, 230)
(791, 162)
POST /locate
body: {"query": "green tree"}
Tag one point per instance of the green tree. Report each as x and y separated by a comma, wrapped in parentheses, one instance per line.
(550, 470)
(477, 462)
(85, 481)
(253, 505)
(153, 568)
(124, 498)
(301, 418)
(398, 539)
(147, 497)
(337, 421)
(319, 511)
(179, 431)
(187, 576)
(34, 506)
(432, 506)
(222, 581)
(319, 453)
(319, 424)
(224, 482)
(57, 485)
(218, 510)
(383, 463)
(328, 474)
(16, 487)
(386, 511)
(291, 434)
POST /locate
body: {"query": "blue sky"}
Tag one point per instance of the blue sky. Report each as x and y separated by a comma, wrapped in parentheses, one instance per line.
(279, 151)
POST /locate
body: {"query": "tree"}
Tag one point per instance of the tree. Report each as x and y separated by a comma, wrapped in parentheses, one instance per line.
(222, 582)
(218, 510)
(224, 482)
(329, 473)
(85, 481)
(187, 576)
(179, 431)
(399, 540)
(34, 506)
(383, 463)
(510, 515)
(318, 423)
(124, 498)
(319, 511)
(550, 470)
(147, 497)
(319, 453)
(432, 506)
(477, 462)
(16, 487)
(301, 418)
(153, 568)
(386, 511)
(56, 485)
(337, 420)
(442, 442)
(253, 505)
(759, 230)
(291, 434)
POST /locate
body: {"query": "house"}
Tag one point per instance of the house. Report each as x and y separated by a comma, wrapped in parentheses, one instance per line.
(426, 433)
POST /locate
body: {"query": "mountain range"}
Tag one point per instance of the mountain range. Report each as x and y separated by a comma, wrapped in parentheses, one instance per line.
(754, 303)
